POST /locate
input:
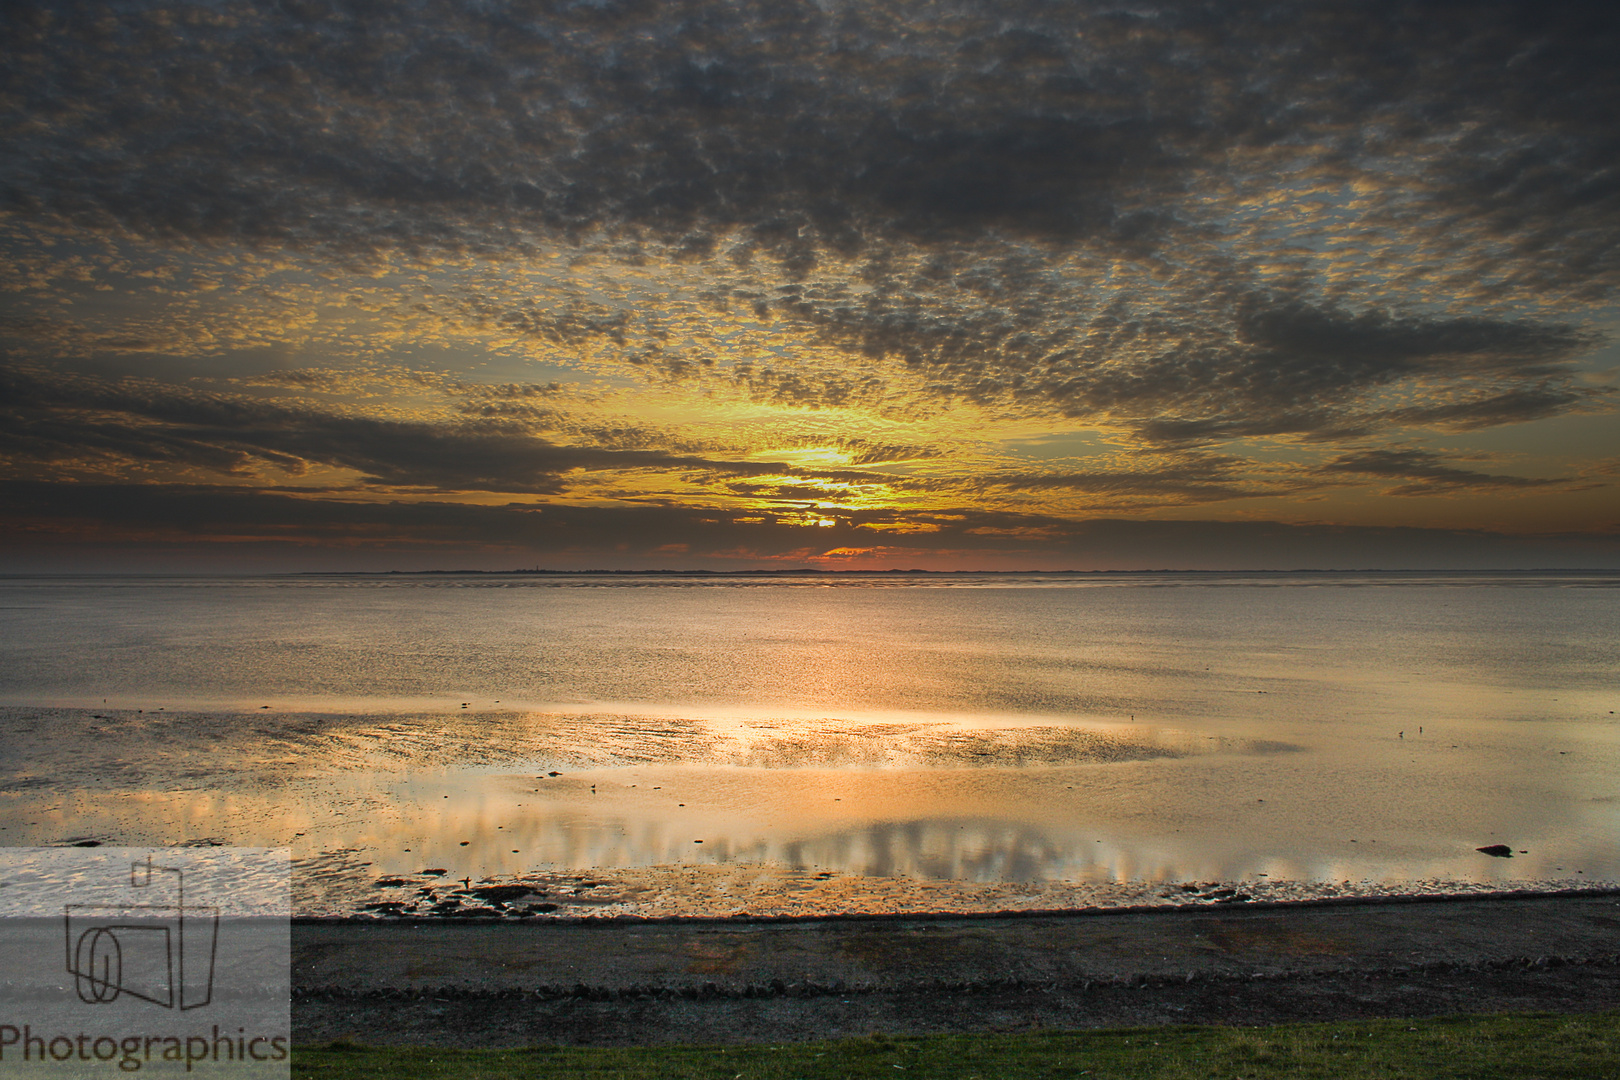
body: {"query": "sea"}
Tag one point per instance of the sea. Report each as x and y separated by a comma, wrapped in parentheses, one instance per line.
(822, 741)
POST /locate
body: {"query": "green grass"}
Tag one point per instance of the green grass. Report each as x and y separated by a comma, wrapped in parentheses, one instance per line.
(1583, 1047)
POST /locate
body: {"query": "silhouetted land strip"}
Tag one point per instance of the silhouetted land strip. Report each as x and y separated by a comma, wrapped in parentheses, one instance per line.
(815, 572)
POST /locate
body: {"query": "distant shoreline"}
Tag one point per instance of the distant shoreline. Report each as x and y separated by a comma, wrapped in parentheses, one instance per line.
(824, 574)
(817, 572)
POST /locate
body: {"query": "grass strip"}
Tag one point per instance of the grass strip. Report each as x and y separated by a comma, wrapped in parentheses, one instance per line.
(1579, 1047)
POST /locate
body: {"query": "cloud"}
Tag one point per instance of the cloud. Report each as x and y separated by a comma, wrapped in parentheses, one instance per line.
(1528, 400)
(813, 132)
(1268, 367)
(1195, 478)
(146, 520)
(1426, 473)
(803, 126)
(63, 419)
(979, 167)
(862, 451)
(1182, 225)
(1339, 348)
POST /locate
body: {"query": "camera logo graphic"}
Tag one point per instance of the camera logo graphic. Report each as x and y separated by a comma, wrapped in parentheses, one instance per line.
(150, 943)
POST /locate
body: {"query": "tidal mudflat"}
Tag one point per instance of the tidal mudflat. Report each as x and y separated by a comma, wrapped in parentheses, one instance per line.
(652, 746)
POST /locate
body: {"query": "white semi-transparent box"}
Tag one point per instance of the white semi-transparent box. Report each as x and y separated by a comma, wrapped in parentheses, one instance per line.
(145, 961)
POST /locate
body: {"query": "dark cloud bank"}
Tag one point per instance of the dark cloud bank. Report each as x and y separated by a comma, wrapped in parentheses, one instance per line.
(174, 527)
(81, 420)
(812, 128)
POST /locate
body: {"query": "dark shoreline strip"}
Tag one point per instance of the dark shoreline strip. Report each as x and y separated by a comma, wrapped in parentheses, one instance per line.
(945, 916)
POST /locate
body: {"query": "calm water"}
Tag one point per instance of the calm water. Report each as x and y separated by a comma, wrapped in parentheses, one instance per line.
(1091, 727)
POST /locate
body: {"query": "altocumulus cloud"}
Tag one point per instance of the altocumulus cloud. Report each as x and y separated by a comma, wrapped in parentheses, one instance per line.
(1182, 225)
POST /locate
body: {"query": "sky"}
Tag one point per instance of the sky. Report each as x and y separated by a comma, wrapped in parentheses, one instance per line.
(312, 285)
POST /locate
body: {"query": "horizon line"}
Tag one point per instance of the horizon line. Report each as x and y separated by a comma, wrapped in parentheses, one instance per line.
(807, 571)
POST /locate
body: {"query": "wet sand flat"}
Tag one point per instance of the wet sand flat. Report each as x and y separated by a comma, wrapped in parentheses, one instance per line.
(644, 815)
